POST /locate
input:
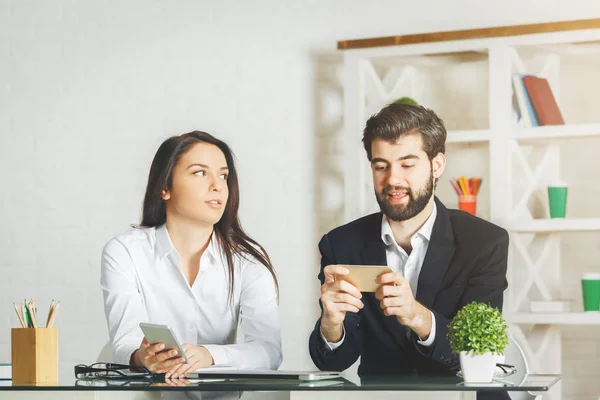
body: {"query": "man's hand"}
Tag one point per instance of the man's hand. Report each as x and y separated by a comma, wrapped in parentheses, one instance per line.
(198, 357)
(155, 358)
(337, 297)
(397, 299)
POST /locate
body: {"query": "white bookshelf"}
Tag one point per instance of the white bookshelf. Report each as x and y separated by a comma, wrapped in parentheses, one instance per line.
(556, 132)
(468, 136)
(535, 259)
(528, 135)
(565, 318)
(555, 225)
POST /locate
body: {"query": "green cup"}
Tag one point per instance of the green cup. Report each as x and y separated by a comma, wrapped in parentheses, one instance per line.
(590, 286)
(557, 199)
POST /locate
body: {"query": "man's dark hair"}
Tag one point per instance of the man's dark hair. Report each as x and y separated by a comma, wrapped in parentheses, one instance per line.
(396, 120)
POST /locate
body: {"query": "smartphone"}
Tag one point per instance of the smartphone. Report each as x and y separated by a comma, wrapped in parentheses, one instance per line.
(155, 333)
(363, 276)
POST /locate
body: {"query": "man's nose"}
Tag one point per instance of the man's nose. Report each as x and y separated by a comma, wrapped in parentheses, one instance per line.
(396, 177)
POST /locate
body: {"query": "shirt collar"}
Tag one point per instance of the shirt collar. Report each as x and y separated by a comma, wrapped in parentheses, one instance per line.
(164, 245)
(387, 236)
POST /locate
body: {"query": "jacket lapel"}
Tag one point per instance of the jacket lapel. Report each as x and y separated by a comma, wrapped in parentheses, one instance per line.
(439, 254)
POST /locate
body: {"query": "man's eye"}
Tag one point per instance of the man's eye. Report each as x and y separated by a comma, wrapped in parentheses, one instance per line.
(380, 168)
(408, 166)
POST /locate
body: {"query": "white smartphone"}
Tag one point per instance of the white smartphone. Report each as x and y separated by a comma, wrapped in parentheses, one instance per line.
(155, 333)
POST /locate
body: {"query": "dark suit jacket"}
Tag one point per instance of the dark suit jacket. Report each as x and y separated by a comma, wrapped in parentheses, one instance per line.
(465, 261)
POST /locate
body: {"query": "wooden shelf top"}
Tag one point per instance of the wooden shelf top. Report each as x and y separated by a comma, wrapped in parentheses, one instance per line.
(479, 33)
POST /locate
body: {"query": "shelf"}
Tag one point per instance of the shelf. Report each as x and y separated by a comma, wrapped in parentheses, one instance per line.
(432, 60)
(556, 225)
(587, 47)
(557, 132)
(467, 34)
(468, 136)
(567, 318)
(540, 133)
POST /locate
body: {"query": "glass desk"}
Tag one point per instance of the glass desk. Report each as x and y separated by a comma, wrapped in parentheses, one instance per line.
(287, 387)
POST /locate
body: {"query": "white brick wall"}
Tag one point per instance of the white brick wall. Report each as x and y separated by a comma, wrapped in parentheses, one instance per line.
(88, 90)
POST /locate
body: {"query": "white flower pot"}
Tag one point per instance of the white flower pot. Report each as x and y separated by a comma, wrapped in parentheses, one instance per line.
(477, 368)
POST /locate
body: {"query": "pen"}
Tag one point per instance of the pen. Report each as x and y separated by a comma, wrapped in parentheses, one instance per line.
(21, 321)
(33, 313)
(53, 315)
(49, 312)
(26, 314)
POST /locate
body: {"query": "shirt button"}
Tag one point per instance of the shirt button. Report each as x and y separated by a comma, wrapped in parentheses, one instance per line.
(191, 326)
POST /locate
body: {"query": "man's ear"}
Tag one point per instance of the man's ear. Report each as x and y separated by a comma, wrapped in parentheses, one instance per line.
(165, 194)
(438, 165)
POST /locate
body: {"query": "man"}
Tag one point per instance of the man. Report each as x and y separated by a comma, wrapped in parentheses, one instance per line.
(442, 259)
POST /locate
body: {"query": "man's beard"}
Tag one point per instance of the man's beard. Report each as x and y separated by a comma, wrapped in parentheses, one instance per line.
(402, 212)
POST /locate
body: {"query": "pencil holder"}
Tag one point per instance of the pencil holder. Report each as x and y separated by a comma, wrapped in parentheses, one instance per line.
(34, 355)
(468, 204)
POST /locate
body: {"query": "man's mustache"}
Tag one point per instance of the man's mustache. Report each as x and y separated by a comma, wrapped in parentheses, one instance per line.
(388, 189)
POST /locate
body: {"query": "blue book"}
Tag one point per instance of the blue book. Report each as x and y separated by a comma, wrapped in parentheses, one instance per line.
(526, 110)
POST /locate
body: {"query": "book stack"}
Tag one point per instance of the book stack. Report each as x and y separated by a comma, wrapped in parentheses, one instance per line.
(536, 103)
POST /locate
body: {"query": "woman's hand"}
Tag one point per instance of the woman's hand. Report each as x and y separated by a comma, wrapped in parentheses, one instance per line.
(155, 358)
(198, 357)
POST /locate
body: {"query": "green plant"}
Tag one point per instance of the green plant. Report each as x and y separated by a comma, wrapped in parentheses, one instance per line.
(406, 100)
(478, 328)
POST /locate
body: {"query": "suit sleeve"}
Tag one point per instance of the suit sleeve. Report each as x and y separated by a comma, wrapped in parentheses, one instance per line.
(486, 284)
(348, 352)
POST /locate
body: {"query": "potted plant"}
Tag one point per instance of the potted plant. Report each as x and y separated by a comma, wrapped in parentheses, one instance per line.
(477, 333)
(406, 100)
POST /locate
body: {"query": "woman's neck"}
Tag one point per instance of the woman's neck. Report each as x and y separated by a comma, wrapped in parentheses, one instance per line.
(189, 238)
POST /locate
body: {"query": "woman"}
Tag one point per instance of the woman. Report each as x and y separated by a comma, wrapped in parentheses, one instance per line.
(191, 266)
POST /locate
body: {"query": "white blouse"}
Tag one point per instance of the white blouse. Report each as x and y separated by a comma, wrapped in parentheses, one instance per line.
(142, 281)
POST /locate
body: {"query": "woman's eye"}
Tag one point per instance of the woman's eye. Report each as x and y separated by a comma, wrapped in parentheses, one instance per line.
(223, 176)
(200, 173)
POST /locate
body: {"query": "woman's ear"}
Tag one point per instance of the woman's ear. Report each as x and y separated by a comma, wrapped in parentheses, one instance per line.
(165, 194)
(438, 165)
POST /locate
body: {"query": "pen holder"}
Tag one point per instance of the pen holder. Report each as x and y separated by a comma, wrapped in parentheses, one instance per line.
(34, 355)
(468, 203)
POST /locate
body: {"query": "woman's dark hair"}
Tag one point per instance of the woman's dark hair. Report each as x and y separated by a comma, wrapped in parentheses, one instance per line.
(396, 120)
(230, 235)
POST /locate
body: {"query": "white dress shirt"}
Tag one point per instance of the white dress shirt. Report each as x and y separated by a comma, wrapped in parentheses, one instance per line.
(142, 281)
(409, 265)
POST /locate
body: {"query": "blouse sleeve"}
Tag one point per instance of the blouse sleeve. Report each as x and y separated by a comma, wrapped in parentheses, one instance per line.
(123, 304)
(259, 321)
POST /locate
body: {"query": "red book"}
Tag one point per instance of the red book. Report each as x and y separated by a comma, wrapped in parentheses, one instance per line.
(543, 101)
